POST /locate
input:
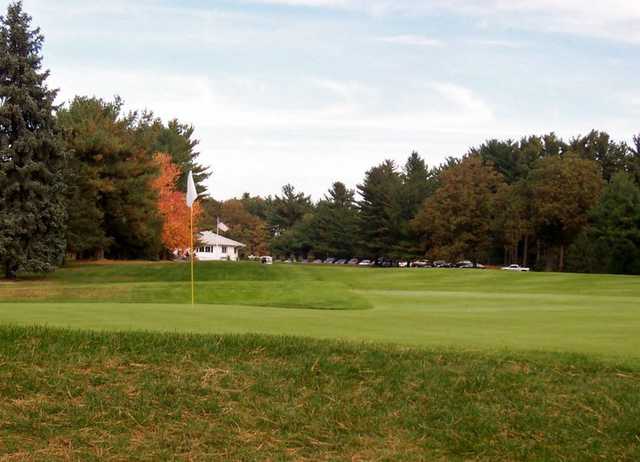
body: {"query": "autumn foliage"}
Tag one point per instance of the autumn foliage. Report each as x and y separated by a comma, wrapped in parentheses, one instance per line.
(172, 205)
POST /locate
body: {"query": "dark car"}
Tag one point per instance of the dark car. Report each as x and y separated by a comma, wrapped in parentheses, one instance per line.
(385, 263)
(441, 264)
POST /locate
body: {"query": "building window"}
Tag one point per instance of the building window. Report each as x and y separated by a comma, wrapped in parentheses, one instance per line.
(207, 249)
(224, 249)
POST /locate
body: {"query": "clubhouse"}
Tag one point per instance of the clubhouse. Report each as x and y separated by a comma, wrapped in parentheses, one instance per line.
(215, 247)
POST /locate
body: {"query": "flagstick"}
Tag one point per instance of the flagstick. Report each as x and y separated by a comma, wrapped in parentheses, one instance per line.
(191, 237)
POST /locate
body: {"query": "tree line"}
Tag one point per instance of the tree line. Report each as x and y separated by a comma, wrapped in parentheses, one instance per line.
(540, 201)
(89, 180)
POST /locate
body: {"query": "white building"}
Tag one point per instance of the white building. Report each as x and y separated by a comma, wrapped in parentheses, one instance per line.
(216, 247)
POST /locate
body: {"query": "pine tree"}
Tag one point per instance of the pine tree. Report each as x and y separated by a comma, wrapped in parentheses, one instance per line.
(32, 212)
(380, 208)
(336, 223)
(112, 204)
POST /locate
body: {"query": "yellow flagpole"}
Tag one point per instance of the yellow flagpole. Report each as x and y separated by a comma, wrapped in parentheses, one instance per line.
(192, 256)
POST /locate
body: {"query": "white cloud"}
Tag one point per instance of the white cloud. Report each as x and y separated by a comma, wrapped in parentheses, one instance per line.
(611, 19)
(465, 100)
(510, 44)
(415, 40)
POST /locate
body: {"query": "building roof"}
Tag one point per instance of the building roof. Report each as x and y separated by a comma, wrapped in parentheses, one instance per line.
(211, 238)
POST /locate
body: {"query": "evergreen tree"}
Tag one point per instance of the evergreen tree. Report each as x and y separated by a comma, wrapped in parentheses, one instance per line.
(336, 223)
(283, 212)
(255, 205)
(613, 238)
(598, 146)
(113, 207)
(381, 210)
(633, 160)
(32, 213)
(504, 156)
(176, 139)
(418, 184)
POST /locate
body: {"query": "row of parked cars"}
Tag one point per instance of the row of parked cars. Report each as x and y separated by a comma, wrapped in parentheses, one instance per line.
(388, 263)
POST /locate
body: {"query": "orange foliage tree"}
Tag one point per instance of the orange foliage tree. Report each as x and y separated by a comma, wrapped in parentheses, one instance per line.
(172, 205)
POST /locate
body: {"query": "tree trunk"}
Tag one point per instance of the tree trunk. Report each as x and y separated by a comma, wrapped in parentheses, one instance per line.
(11, 272)
(525, 253)
(515, 253)
(537, 252)
(561, 257)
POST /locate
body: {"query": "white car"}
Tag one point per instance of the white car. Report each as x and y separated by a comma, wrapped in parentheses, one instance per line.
(515, 268)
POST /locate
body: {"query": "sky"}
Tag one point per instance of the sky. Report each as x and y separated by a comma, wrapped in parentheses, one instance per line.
(309, 92)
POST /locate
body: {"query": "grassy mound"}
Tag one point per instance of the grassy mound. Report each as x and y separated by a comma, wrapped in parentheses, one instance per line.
(218, 283)
(70, 395)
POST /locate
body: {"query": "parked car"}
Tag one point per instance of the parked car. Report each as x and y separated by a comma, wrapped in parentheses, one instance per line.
(353, 261)
(317, 261)
(266, 260)
(464, 264)
(342, 261)
(365, 263)
(330, 261)
(515, 268)
(441, 264)
(420, 264)
(403, 264)
(385, 263)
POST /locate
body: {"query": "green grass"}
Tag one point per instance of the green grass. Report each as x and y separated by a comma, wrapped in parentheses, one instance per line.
(72, 395)
(487, 365)
(486, 310)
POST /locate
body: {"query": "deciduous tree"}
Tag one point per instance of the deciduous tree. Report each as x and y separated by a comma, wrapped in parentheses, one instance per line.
(564, 188)
(172, 205)
(457, 220)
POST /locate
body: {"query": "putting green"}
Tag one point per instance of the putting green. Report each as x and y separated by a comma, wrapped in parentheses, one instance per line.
(488, 310)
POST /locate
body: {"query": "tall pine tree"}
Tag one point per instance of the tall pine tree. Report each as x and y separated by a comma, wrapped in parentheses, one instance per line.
(381, 222)
(32, 212)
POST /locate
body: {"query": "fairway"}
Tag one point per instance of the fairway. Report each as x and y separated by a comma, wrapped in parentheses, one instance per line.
(479, 310)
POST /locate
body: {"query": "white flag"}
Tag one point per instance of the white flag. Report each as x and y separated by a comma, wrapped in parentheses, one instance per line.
(192, 195)
(222, 227)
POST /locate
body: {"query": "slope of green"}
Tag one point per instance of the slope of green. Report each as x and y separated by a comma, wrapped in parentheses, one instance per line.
(488, 310)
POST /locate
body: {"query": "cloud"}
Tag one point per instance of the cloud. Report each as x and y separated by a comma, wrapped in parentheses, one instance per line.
(414, 40)
(510, 44)
(465, 101)
(612, 19)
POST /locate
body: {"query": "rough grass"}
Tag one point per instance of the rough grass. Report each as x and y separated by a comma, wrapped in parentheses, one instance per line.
(71, 395)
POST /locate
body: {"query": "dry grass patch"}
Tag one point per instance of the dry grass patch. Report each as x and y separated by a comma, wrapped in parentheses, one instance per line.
(86, 396)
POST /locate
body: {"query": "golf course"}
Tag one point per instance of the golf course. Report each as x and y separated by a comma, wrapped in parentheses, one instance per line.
(477, 309)
(315, 362)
